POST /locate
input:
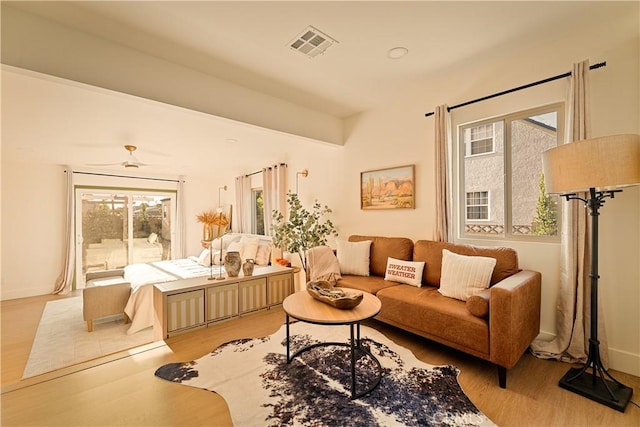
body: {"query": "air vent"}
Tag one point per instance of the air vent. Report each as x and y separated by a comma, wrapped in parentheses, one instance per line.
(312, 42)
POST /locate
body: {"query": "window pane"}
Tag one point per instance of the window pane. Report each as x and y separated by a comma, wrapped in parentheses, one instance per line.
(484, 180)
(533, 212)
(257, 212)
(509, 202)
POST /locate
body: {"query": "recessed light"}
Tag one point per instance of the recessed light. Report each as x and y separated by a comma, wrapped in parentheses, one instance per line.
(397, 52)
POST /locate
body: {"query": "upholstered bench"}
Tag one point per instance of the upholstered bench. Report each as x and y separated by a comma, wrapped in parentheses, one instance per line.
(106, 294)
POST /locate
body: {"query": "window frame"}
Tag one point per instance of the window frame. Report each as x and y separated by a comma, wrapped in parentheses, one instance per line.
(487, 205)
(470, 152)
(507, 119)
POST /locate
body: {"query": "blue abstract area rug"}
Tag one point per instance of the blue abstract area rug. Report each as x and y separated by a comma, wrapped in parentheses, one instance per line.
(261, 389)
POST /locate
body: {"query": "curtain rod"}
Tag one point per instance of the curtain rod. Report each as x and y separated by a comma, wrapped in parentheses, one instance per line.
(270, 167)
(125, 176)
(515, 89)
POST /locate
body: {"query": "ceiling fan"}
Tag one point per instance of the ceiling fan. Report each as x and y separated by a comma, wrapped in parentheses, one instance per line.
(131, 162)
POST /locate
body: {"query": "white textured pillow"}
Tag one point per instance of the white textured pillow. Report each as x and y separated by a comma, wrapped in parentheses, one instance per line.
(464, 276)
(264, 253)
(204, 259)
(353, 257)
(235, 247)
(249, 247)
(409, 272)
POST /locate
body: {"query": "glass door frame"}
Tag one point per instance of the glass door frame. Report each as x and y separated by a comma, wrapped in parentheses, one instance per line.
(81, 190)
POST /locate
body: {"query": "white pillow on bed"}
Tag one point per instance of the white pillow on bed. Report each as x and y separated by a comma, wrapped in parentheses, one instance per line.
(249, 247)
(205, 258)
(263, 256)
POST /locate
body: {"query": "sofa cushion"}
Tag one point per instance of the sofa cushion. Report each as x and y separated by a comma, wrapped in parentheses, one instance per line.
(353, 257)
(426, 310)
(383, 248)
(371, 284)
(463, 276)
(409, 272)
(431, 253)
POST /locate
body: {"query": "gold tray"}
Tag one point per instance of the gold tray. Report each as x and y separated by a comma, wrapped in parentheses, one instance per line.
(337, 297)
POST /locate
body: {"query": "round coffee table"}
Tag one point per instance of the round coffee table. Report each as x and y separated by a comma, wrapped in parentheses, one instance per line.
(304, 307)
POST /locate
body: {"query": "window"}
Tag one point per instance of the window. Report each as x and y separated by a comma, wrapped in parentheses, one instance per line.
(119, 227)
(509, 175)
(478, 205)
(481, 140)
(257, 211)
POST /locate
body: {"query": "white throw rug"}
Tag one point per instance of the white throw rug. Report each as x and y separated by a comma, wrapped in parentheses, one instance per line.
(62, 338)
(261, 389)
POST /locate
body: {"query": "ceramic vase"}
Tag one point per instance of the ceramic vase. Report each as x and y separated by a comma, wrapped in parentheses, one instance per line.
(247, 267)
(232, 263)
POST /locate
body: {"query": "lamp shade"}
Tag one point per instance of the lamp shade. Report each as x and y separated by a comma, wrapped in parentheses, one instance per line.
(602, 163)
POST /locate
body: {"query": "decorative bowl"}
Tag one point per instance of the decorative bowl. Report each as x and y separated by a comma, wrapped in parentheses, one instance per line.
(325, 292)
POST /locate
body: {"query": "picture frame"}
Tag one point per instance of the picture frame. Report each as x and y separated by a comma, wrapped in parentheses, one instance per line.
(389, 188)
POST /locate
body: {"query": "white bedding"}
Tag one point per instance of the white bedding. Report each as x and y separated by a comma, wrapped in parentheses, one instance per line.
(142, 277)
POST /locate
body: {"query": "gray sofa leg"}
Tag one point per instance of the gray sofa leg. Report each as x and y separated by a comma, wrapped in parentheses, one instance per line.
(502, 376)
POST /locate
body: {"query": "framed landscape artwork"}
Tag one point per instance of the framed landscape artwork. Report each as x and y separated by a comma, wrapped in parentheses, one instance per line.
(392, 188)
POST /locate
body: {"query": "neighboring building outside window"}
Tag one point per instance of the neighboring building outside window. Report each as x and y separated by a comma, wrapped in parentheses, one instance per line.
(481, 139)
(257, 211)
(502, 162)
(478, 205)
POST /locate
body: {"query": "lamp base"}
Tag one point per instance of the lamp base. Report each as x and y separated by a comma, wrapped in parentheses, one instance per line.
(595, 389)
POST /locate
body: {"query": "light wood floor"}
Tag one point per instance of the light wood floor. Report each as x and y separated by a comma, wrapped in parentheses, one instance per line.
(122, 390)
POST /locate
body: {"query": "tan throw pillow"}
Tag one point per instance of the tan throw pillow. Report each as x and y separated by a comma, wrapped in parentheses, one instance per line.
(264, 253)
(249, 248)
(463, 276)
(409, 272)
(353, 257)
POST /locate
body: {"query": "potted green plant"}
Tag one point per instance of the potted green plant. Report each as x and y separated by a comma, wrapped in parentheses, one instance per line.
(303, 229)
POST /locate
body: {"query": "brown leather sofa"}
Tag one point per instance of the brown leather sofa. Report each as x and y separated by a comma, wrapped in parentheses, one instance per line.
(497, 325)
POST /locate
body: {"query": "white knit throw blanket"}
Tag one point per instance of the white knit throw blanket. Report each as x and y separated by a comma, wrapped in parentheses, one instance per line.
(323, 264)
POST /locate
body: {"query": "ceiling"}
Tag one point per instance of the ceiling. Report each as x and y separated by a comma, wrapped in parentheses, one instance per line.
(247, 43)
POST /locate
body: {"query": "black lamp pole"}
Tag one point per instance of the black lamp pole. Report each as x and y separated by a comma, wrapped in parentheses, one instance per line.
(594, 385)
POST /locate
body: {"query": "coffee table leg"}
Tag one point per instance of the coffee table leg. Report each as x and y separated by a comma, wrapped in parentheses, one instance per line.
(353, 364)
(287, 318)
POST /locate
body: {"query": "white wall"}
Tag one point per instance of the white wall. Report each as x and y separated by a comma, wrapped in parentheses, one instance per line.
(400, 134)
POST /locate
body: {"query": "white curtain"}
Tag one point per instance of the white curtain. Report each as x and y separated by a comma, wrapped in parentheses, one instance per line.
(572, 311)
(64, 281)
(242, 224)
(274, 187)
(181, 248)
(441, 125)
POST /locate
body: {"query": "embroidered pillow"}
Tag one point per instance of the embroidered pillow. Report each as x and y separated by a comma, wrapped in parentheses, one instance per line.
(463, 276)
(409, 272)
(353, 257)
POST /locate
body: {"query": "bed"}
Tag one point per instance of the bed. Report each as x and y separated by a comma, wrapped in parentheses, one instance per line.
(143, 276)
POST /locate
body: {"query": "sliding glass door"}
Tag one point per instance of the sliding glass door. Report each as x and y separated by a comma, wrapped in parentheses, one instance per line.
(116, 227)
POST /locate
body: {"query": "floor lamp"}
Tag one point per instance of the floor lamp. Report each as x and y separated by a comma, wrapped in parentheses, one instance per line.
(599, 167)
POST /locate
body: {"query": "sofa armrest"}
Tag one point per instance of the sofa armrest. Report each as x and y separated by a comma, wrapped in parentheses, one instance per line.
(514, 316)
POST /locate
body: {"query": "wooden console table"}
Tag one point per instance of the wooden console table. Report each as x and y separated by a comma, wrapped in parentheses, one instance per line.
(184, 305)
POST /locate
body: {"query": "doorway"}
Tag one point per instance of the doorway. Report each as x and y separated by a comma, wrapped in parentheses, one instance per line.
(118, 227)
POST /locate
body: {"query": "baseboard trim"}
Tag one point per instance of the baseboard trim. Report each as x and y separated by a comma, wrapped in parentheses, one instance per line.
(619, 360)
